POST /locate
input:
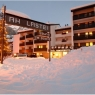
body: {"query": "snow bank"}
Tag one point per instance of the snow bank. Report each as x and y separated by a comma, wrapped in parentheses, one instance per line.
(72, 74)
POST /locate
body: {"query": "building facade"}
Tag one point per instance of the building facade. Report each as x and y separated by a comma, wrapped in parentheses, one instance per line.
(32, 41)
(63, 42)
(63, 39)
(83, 25)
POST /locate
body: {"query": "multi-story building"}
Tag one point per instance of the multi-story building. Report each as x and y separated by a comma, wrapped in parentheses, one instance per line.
(28, 45)
(80, 33)
(63, 42)
(83, 25)
(28, 41)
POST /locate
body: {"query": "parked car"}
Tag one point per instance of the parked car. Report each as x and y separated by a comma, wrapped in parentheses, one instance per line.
(20, 56)
(34, 55)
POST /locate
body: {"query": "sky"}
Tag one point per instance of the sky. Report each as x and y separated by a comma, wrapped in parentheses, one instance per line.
(45, 11)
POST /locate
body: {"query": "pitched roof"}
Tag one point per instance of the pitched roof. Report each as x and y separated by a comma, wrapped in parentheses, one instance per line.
(83, 6)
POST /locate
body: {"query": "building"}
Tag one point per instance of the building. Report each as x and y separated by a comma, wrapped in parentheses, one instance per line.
(30, 41)
(83, 25)
(53, 27)
(63, 42)
(63, 39)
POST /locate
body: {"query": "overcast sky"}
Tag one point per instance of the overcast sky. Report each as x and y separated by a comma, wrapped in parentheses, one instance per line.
(44, 11)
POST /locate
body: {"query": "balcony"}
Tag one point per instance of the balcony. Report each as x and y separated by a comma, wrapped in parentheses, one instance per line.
(84, 20)
(29, 50)
(29, 43)
(29, 36)
(64, 35)
(22, 38)
(84, 26)
(37, 33)
(64, 40)
(40, 49)
(84, 37)
(84, 15)
(22, 44)
(40, 41)
(81, 45)
(63, 43)
(22, 51)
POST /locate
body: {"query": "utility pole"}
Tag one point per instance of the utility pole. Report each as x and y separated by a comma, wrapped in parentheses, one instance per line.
(3, 29)
(49, 34)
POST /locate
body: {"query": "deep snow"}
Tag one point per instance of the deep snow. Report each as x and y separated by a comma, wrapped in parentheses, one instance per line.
(72, 74)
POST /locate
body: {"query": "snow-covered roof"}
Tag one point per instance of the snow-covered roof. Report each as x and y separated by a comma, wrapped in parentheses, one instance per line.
(65, 27)
(52, 23)
(19, 31)
(10, 40)
(17, 13)
(83, 6)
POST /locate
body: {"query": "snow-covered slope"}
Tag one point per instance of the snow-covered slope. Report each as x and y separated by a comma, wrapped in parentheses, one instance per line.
(72, 74)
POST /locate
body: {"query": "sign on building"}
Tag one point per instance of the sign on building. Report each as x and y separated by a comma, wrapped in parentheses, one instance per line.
(25, 22)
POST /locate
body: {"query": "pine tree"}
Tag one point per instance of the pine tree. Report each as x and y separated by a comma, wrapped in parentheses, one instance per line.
(6, 49)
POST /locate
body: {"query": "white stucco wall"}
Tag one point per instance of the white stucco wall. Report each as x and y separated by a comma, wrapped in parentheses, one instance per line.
(52, 30)
(16, 42)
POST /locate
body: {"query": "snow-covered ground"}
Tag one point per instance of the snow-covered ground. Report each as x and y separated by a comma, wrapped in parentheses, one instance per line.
(72, 74)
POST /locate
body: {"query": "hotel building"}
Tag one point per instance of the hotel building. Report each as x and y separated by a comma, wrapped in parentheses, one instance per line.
(63, 42)
(63, 39)
(83, 25)
(28, 41)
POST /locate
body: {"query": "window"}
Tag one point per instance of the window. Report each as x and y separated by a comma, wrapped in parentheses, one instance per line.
(79, 44)
(81, 15)
(85, 15)
(63, 33)
(89, 14)
(90, 23)
(78, 25)
(86, 33)
(78, 34)
(44, 46)
(91, 43)
(86, 25)
(90, 33)
(66, 32)
(66, 47)
(87, 44)
(39, 47)
(92, 13)
(29, 47)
